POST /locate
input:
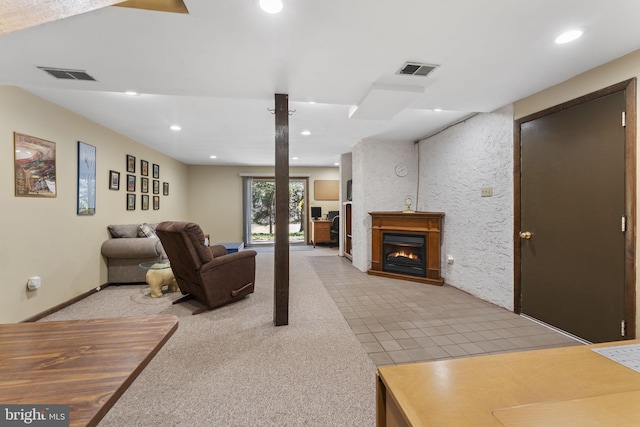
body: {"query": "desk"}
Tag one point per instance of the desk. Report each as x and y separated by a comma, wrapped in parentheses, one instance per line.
(86, 364)
(321, 231)
(543, 387)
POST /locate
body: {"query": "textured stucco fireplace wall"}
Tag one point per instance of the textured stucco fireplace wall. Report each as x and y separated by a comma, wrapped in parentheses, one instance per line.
(384, 175)
(455, 165)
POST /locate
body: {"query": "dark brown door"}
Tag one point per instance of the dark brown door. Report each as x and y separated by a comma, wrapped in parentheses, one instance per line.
(572, 201)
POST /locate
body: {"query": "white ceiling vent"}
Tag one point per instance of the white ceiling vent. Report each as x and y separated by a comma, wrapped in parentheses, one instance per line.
(65, 74)
(416, 69)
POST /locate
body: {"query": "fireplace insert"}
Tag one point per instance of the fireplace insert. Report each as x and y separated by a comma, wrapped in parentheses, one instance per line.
(404, 254)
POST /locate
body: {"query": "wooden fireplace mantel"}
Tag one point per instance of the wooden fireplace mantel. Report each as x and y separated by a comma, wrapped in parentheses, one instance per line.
(428, 224)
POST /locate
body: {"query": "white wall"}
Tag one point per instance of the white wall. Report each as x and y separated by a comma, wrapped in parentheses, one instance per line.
(478, 231)
(44, 236)
(376, 187)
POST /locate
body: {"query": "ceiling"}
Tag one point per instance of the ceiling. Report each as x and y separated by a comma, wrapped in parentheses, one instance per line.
(215, 70)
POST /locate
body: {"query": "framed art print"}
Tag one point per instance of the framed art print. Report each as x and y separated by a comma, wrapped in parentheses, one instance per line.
(114, 180)
(165, 188)
(144, 168)
(86, 179)
(156, 202)
(131, 183)
(131, 202)
(144, 184)
(156, 171)
(131, 164)
(35, 166)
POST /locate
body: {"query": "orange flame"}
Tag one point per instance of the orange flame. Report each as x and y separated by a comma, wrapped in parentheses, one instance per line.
(404, 255)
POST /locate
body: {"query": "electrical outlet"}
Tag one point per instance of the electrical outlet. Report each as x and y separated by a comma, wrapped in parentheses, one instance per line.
(486, 192)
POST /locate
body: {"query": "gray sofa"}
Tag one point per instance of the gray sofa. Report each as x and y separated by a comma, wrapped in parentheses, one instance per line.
(128, 246)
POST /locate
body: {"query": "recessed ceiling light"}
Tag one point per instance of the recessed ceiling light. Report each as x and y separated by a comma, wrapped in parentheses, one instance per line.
(336, 164)
(131, 93)
(175, 127)
(437, 110)
(306, 132)
(271, 6)
(213, 157)
(294, 158)
(568, 36)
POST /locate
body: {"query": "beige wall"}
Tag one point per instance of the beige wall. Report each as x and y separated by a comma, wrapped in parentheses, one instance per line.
(621, 69)
(44, 236)
(215, 200)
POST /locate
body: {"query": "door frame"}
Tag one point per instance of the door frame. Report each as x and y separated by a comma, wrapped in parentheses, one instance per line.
(629, 86)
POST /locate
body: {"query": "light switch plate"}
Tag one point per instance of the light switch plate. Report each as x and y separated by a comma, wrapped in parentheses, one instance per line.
(486, 192)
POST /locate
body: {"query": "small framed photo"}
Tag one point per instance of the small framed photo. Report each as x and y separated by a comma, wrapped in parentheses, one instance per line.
(144, 202)
(131, 183)
(144, 168)
(114, 180)
(165, 188)
(131, 164)
(144, 185)
(156, 171)
(156, 186)
(156, 203)
(131, 202)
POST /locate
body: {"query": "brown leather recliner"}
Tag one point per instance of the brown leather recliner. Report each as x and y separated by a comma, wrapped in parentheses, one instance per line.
(206, 273)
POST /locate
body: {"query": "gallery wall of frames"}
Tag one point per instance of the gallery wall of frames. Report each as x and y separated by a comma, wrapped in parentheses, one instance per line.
(142, 184)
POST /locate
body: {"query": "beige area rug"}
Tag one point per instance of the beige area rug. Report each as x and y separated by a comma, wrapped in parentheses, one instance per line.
(232, 367)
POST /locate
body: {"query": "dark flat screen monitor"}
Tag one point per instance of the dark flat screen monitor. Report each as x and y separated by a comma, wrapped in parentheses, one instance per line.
(316, 212)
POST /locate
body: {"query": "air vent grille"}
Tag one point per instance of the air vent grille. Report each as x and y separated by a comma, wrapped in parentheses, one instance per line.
(416, 69)
(65, 74)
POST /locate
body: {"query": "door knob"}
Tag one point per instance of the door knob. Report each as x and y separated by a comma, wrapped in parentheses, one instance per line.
(525, 235)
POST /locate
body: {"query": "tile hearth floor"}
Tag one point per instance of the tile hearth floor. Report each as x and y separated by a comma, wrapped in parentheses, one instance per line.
(399, 321)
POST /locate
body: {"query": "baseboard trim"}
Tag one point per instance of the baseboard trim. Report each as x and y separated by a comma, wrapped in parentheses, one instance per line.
(65, 304)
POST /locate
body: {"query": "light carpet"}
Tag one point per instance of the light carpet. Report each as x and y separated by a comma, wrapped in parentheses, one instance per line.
(232, 367)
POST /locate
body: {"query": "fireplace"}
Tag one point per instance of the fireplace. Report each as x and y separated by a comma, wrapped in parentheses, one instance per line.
(407, 245)
(404, 254)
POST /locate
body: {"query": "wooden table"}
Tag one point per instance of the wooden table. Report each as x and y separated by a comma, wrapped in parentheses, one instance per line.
(570, 386)
(86, 364)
